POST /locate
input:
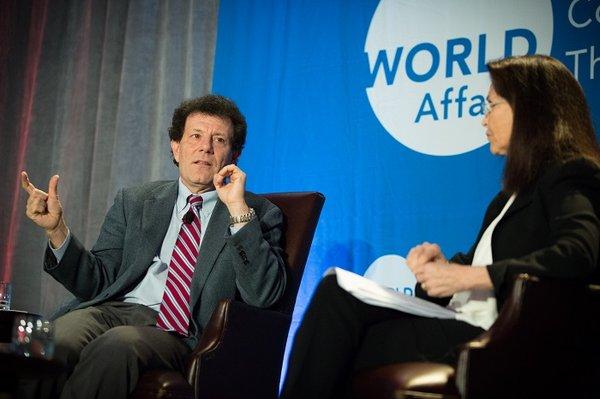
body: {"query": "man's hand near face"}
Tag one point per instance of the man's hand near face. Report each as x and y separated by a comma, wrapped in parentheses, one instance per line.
(232, 192)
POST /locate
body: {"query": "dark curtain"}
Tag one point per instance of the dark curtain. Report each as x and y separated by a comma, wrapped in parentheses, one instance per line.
(87, 90)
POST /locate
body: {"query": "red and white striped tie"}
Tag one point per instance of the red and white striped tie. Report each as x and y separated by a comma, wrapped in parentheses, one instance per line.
(174, 314)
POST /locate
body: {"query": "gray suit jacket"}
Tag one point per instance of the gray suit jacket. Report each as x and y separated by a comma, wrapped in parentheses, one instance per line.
(247, 265)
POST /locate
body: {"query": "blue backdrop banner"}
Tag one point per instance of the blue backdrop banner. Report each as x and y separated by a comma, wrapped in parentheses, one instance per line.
(378, 105)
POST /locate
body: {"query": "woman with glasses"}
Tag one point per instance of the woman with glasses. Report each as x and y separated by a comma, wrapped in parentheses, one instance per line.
(544, 222)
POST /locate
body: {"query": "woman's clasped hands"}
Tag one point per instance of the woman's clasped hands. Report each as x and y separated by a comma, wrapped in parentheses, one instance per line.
(440, 278)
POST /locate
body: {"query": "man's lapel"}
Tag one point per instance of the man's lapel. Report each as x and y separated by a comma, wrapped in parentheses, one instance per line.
(156, 217)
(210, 248)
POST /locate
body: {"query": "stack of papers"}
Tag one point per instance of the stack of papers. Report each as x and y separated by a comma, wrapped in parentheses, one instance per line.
(376, 294)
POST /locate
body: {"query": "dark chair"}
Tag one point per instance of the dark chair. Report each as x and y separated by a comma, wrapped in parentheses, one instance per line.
(241, 349)
(545, 343)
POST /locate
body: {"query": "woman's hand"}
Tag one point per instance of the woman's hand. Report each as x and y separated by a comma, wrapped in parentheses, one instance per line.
(422, 254)
(445, 279)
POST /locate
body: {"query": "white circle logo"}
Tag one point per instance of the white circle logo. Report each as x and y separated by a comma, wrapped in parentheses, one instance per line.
(391, 271)
(427, 61)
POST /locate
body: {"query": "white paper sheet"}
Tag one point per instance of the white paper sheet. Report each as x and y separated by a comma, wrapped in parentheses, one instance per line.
(376, 294)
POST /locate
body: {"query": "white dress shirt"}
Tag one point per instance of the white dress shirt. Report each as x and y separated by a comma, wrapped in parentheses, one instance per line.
(478, 307)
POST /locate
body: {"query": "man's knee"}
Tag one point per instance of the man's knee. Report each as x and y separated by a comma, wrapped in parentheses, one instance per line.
(117, 343)
(70, 337)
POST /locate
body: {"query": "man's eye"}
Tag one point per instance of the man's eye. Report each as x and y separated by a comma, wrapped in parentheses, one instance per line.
(220, 140)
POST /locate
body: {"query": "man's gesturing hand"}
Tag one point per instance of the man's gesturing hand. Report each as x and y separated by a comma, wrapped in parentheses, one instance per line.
(45, 209)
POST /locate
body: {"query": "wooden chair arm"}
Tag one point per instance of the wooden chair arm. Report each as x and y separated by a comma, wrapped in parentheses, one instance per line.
(406, 380)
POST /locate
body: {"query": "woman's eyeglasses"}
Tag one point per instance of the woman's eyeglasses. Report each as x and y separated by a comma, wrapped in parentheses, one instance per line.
(490, 105)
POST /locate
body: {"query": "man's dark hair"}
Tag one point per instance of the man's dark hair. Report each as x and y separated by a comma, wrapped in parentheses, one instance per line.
(214, 105)
(551, 119)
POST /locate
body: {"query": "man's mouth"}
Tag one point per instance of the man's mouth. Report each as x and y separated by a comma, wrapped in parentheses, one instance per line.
(202, 163)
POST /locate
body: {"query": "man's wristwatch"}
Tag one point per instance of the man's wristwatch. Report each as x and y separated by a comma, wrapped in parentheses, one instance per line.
(246, 217)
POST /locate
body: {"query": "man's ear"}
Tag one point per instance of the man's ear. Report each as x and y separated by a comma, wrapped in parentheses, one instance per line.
(175, 149)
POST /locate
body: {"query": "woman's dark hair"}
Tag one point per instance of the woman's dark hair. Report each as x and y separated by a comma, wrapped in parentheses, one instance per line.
(551, 119)
(214, 105)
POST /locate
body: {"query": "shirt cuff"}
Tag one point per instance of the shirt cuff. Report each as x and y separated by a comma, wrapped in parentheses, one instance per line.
(234, 229)
(60, 251)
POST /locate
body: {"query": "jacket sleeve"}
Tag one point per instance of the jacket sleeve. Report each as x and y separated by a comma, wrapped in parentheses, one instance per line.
(569, 198)
(257, 258)
(87, 273)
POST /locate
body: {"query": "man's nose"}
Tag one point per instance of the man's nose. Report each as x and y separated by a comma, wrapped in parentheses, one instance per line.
(206, 144)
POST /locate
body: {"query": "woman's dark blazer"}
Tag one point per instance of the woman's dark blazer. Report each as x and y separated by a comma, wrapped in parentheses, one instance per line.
(552, 229)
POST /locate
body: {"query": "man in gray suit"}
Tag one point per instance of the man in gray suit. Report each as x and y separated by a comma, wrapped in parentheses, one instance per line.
(135, 308)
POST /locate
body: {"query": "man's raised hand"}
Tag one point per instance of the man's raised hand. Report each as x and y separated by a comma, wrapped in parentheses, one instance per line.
(45, 210)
